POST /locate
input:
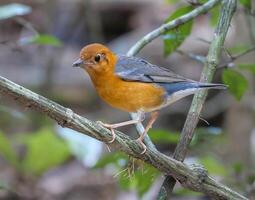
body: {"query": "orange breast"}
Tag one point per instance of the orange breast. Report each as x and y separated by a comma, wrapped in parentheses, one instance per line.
(129, 96)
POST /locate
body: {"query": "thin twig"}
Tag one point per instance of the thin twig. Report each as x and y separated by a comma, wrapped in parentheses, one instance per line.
(229, 63)
(170, 25)
(27, 25)
(233, 58)
(196, 57)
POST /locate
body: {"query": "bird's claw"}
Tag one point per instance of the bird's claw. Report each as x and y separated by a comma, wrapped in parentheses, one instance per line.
(113, 136)
(109, 126)
(104, 124)
(142, 144)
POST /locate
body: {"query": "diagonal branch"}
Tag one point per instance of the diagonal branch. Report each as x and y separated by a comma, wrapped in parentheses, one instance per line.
(191, 178)
(171, 25)
(212, 60)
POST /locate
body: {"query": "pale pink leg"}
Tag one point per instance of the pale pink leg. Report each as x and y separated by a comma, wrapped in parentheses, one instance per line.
(154, 116)
(117, 125)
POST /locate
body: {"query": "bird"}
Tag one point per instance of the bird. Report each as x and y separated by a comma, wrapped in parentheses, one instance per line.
(134, 85)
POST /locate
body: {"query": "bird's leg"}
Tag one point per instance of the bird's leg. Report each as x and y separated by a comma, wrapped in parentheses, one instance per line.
(117, 125)
(154, 116)
(140, 118)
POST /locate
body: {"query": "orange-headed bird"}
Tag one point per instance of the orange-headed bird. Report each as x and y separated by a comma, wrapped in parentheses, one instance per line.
(134, 85)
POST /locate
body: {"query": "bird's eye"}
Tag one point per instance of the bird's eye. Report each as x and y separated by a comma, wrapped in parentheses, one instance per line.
(97, 57)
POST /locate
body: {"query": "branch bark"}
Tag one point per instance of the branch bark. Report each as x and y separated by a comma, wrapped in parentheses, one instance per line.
(189, 177)
(212, 60)
(171, 25)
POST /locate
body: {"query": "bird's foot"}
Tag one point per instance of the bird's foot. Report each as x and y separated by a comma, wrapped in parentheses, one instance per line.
(140, 140)
(111, 127)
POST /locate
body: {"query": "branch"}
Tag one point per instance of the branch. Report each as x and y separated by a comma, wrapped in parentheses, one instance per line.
(212, 60)
(171, 25)
(230, 63)
(191, 178)
(198, 58)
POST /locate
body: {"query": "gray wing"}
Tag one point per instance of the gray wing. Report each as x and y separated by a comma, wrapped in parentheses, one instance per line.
(137, 69)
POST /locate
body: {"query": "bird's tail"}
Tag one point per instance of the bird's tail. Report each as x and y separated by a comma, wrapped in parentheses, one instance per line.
(190, 87)
(176, 91)
(212, 86)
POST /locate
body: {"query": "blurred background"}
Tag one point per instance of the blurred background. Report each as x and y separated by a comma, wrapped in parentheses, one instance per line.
(39, 41)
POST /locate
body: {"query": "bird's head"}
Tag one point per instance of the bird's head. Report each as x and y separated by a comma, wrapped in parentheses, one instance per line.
(97, 58)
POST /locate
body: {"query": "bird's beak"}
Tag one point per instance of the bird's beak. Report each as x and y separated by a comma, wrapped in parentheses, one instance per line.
(78, 63)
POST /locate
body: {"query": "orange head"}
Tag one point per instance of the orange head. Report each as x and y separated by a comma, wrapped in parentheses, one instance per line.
(96, 58)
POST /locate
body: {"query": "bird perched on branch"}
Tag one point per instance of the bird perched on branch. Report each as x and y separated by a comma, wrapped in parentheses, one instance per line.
(134, 85)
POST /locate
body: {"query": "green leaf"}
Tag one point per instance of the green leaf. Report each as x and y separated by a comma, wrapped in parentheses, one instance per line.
(237, 48)
(7, 151)
(44, 150)
(238, 168)
(42, 39)
(13, 9)
(111, 158)
(188, 193)
(214, 15)
(237, 82)
(213, 166)
(163, 136)
(172, 1)
(249, 67)
(141, 180)
(174, 38)
(251, 178)
(246, 3)
(204, 135)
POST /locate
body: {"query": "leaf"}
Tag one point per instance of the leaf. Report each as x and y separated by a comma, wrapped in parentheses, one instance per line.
(111, 158)
(174, 38)
(42, 39)
(7, 151)
(250, 178)
(237, 82)
(13, 9)
(141, 180)
(238, 168)
(172, 1)
(145, 179)
(214, 15)
(86, 149)
(237, 48)
(188, 193)
(162, 136)
(246, 3)
(249, 67)
(44, 150)
(204, 135)
(213, 166)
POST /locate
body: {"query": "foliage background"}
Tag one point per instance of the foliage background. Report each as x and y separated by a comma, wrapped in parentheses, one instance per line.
(39, 40)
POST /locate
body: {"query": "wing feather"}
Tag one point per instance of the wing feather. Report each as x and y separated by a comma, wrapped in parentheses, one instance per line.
(137, 69)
